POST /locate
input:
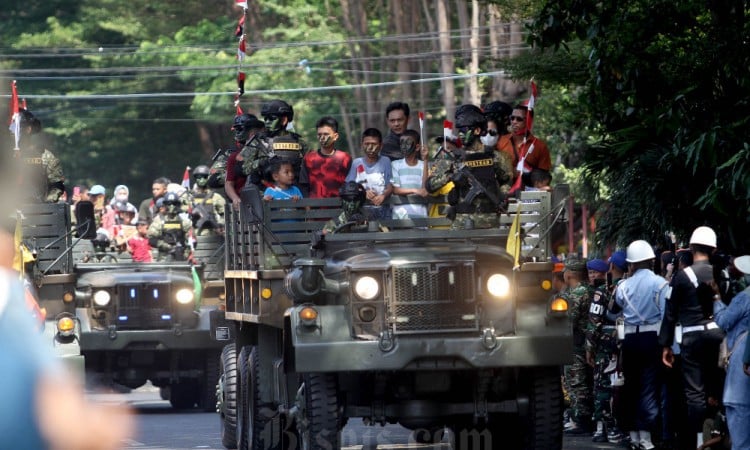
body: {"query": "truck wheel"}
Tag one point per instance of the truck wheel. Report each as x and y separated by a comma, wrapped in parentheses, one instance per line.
(318, 424)
(265, 421)
(543, 425)
(242, 407)
(227, 393)
(183, 395)
(207, 400)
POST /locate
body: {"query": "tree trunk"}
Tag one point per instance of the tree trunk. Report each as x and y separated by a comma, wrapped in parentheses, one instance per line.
(473, 82)
(446, 58)
(464, 41)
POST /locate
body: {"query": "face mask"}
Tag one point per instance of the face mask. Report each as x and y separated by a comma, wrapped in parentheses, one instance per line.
(201, 181)
(489, 140)
(273, 123)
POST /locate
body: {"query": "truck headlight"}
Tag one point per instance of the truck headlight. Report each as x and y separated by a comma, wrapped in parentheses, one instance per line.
(102, 298)
(184, 296)
(498, 285)
(367, 288)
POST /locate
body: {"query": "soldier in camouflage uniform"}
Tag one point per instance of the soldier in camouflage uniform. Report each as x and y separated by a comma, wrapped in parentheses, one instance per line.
(352, 198)
(42, 178)
(277, 141)
(169, 232)
(481, 176)
(601, 351)
(207, 207)
(578, 374)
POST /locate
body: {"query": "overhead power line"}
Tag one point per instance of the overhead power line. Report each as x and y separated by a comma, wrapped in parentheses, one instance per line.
(259, 91)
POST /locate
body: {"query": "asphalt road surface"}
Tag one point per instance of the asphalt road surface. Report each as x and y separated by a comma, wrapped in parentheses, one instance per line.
(163, 428)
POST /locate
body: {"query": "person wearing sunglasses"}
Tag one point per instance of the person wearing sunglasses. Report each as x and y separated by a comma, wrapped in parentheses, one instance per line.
(481, 175)
(526, 151)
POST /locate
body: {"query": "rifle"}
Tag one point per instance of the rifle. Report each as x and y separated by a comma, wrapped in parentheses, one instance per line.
(463, 173)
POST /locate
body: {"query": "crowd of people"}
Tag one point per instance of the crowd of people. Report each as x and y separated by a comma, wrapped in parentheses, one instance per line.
(647, 367)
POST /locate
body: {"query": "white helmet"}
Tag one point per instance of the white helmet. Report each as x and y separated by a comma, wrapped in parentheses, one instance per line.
(704, 236)
(638, 251)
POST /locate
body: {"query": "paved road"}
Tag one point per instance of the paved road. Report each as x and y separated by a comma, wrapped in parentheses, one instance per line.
(163, 428)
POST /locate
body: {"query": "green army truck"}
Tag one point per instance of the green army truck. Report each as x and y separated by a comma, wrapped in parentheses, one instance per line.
(144, 322)
(403, 321)
(47, 239)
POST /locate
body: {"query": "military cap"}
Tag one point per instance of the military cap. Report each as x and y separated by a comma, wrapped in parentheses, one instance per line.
(575, 265)
(618, 259)
(597, 265)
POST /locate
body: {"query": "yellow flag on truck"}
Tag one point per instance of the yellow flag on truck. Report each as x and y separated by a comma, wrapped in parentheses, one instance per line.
(513, 246)
(22, 254)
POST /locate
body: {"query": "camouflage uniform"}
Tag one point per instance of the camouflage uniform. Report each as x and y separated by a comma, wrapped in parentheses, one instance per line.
(211, 203)
(168, 234)
(601, 342)
(259, 150)
(480, 212)
(578, 374)
(42, 175)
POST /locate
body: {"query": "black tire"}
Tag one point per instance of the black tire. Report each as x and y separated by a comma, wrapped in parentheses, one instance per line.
(265, 424)
(321, 424)
(242, 407)
(228, 396)
(543, 425)
(207, 400)
(183, 395)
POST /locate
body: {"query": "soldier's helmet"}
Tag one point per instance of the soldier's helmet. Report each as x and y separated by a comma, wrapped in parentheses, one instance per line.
(277, 108)
(497, 111)
(242, 125)
(29, 119)
(352, 191)
(171, 198)
(470, 116)
(201, 170)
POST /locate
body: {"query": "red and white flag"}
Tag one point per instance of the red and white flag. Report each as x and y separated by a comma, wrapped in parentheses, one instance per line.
(530, 105)
(240, 30)
(186, 178)
(15, 115)
(241, 49)
(242, 3)
(447, 129)
(421, 120)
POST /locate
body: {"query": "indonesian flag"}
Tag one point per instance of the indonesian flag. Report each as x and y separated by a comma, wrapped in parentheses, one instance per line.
(530, 105)
(241, 50)
(186, 178)
(240, 30)
(447, 130)
(421, 120)
(239, 108)
(241, 76)
(15, 115)
(241, 3)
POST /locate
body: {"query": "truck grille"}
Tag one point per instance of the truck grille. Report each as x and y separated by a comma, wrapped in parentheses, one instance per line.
(143, 306)
(433, 297)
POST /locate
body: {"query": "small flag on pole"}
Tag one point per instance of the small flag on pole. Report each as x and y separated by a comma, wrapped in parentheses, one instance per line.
(513, 246)
(186, 178)
(242, 3)
(240, 30)
(447, 129)
(530, 105)
(421, 127)
(15, 115)
(242, 49)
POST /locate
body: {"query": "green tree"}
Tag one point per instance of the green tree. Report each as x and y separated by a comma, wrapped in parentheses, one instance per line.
(668, 89)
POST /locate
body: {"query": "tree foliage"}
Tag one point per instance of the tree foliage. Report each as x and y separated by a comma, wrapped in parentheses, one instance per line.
(129, 91)
(668, 90)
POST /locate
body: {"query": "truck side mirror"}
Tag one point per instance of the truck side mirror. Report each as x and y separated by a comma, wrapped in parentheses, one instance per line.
(85, 222)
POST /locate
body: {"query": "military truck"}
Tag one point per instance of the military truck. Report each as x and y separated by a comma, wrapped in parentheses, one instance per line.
(144, 322)
(406, 322)
(47, 237)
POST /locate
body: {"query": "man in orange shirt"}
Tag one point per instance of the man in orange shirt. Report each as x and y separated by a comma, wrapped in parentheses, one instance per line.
(526, 151)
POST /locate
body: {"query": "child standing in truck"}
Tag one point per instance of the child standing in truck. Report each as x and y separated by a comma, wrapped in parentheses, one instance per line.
(282, 174)
(138, 245)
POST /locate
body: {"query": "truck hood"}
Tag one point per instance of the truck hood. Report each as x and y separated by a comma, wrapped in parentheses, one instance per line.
(384, 257)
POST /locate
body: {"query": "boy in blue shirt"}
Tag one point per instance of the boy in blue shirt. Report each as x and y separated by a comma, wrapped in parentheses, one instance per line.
(282, 174)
